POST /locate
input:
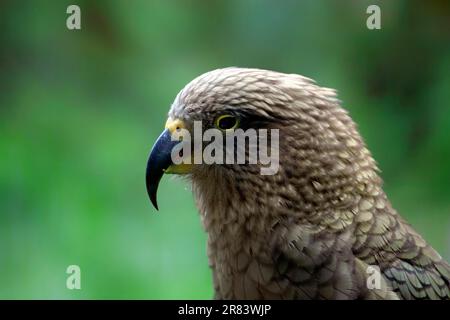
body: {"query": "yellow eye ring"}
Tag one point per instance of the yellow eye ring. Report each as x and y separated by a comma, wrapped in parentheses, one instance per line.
(226, 122)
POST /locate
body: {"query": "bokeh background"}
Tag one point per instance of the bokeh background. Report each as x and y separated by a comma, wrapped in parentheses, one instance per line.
(80, 110)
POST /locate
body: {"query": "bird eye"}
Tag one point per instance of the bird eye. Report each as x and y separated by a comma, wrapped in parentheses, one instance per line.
(226, 122)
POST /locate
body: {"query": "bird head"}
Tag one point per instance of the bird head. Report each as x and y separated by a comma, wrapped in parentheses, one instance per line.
(320, 155)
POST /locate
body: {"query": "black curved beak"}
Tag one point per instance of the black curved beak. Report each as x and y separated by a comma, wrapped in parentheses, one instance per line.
(159, 160)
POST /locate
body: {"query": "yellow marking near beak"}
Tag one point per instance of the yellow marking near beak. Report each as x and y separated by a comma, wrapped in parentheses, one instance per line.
(172, 125)
(182, 168)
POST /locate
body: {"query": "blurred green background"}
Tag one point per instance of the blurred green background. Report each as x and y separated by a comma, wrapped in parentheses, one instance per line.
(80, 110)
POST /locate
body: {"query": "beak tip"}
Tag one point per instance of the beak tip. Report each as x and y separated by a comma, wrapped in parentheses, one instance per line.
(154, 203)
(151, 191)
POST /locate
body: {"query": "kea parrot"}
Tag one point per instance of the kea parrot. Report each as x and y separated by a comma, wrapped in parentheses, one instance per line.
(321, 227)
